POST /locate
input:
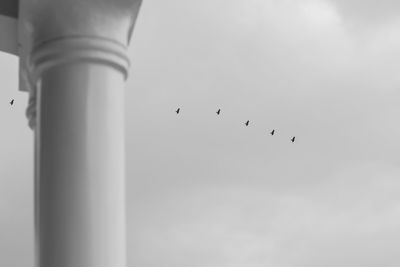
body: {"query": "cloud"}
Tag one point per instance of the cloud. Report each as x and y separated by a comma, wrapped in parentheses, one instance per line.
(228, 196)
(368, 11)
(350, 219)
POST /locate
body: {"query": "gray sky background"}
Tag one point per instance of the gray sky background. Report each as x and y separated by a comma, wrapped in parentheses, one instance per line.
(206, 190)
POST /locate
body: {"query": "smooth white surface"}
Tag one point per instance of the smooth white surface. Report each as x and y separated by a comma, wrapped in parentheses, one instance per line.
(80, 179)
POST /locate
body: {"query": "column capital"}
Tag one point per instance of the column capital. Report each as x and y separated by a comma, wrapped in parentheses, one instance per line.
(53, 32)
(79, 21)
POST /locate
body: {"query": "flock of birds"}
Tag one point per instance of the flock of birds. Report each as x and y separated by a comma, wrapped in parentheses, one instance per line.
(246, 123)
(218, 112)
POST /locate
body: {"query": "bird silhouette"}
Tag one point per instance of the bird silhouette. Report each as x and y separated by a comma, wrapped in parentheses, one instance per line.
(273, 131)
(177, 111)
(247, 123)
(12, 102)
(219, 111)
(294, 137)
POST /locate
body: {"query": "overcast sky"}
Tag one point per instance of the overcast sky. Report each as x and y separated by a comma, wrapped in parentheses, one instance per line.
(206, 191)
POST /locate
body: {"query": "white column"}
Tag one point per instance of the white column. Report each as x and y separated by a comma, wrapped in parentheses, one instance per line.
(77, 112)
(80, 157)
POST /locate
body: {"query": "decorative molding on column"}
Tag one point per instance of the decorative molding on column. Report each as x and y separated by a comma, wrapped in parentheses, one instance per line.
(72, 49)
(43, 22)
(53, 32)
(31, 109)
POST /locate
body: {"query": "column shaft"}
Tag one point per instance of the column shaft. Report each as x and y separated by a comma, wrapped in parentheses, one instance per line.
(80, 208)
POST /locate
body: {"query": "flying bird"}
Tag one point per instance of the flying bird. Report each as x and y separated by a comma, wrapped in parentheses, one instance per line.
(273, 131)
(247, 123)
(12, 102)
(294, 137)
(219, 111)
(177, 111)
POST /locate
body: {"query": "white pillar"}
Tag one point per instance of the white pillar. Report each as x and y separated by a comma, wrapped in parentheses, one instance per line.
(77, 112)
(80, 157)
